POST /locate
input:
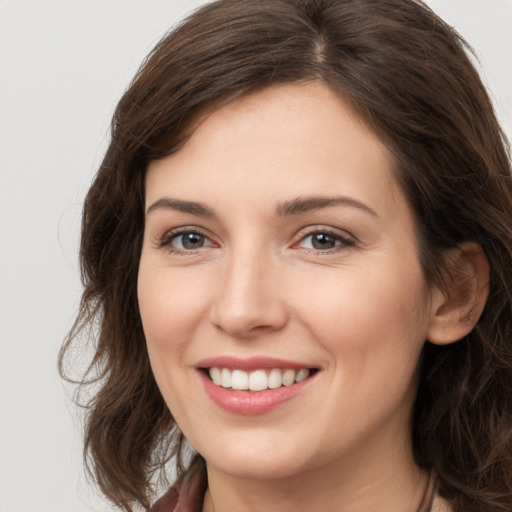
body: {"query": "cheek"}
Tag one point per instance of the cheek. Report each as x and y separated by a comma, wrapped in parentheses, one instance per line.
(374, 335)
(170, 308)
(170, 305)
(378, 324)
(165, 316)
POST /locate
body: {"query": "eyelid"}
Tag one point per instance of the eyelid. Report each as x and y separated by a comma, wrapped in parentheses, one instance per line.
(347, 240)
(166, 239)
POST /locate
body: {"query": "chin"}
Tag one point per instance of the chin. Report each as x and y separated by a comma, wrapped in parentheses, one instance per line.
(260, 468)
(262, 460)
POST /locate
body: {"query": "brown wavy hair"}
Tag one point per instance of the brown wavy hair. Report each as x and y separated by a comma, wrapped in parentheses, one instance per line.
(408, 76)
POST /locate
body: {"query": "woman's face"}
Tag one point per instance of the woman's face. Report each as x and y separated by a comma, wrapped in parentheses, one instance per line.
(280, 251)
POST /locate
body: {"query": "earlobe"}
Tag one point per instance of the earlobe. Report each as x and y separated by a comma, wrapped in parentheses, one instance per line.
(455, 310)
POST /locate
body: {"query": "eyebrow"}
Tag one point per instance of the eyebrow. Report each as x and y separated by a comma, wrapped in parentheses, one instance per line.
(191, 207)
(291, 207)
(307, 204)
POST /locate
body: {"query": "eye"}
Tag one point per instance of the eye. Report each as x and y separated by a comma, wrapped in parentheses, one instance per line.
(325, 241)
(184, 241)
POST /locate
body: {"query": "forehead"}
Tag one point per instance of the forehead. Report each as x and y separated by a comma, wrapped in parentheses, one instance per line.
(284, 141)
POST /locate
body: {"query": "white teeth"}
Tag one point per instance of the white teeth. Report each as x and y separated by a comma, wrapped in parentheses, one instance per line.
(288, 377)
(215, 376)
(239, 380)
(302, 374)
(274, 379)
(225, 378)
(257, 380)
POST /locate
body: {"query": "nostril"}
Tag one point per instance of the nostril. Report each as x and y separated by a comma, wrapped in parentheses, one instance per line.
(248, 302)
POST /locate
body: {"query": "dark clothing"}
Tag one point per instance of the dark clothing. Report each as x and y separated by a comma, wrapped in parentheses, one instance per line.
(187, 497)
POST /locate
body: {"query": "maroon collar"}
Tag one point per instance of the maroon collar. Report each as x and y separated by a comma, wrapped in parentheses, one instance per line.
(185, 496)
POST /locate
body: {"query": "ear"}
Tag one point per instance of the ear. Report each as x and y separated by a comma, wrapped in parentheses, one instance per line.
(455, 310)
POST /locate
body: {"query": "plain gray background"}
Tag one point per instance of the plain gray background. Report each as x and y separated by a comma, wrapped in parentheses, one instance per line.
(63, 66)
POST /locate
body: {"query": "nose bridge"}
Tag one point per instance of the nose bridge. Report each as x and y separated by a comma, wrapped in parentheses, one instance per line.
(248, 298)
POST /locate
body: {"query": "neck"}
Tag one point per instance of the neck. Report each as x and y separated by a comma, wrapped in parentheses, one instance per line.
(389, 483)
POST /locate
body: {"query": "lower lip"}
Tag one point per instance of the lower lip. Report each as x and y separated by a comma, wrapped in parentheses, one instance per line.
(252, 402)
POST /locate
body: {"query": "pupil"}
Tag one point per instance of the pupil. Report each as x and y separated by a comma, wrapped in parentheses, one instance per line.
(192, 241)
(323, 241)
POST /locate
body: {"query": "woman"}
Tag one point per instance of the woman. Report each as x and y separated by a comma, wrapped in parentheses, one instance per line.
(296, 256)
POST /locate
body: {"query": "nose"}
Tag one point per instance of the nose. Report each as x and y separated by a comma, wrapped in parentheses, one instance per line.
(250, 299)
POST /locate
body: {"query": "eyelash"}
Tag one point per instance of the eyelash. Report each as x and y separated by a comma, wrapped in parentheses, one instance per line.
(170, 236)
(343, 242)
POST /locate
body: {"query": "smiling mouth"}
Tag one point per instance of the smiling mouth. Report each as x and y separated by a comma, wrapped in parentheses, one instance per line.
(257, 380)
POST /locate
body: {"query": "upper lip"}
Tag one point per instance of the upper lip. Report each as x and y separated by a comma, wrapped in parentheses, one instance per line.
(251, 363)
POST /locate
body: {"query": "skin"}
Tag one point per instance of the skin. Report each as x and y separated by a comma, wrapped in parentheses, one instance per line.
(255, 285)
